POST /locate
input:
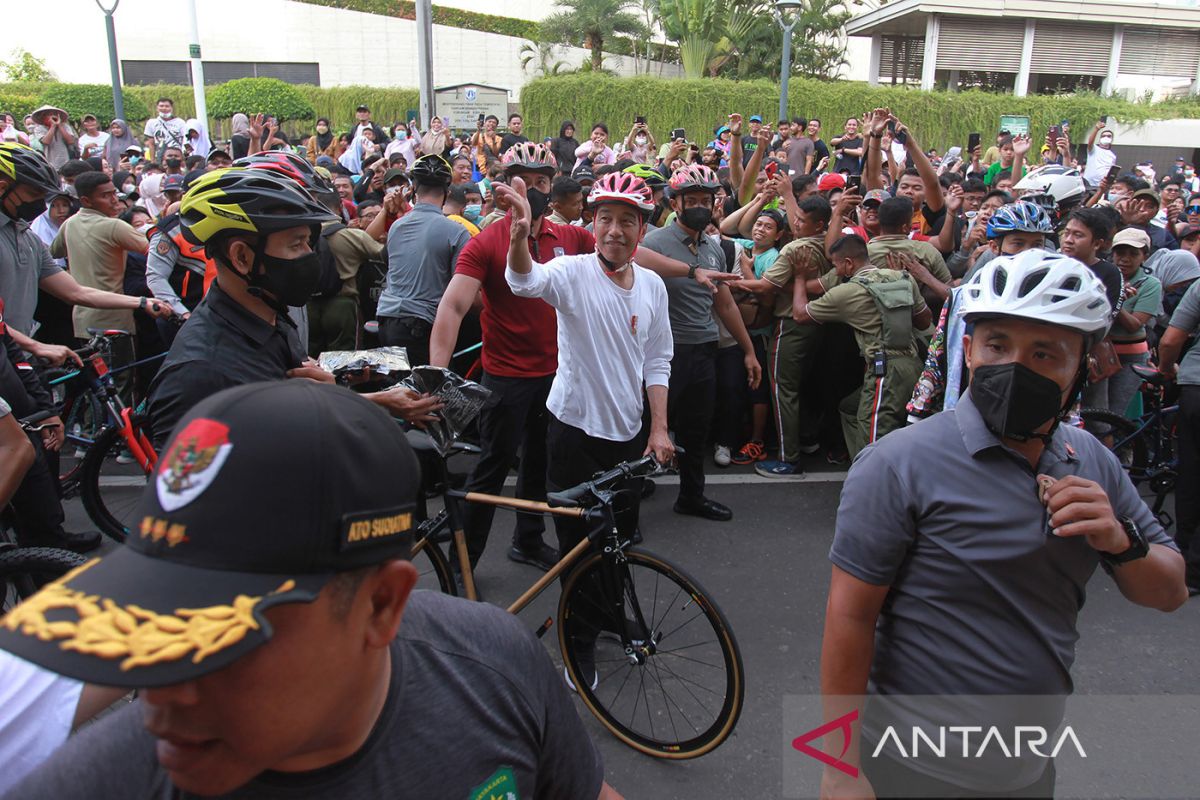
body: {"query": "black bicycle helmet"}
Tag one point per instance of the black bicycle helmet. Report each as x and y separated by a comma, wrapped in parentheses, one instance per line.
(25, 165)
(430, 170)
(253, 201)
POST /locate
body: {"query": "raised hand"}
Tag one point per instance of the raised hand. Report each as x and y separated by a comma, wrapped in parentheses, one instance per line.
(518, 202)
(735, 124)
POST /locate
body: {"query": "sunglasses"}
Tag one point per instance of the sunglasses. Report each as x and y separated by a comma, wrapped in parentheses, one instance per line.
(1193, 209)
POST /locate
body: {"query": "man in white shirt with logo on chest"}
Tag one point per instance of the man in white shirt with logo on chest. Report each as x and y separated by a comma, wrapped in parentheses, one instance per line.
(614, 335)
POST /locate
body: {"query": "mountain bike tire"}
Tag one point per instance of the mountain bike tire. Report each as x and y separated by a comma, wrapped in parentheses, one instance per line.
(1129, 445)
(110, 509)
(432, 565)
(23, 569)
(671, 590)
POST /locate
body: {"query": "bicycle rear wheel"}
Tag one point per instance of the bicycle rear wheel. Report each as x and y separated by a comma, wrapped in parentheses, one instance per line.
(23, 569)
(433, 570)
(1128, 443)
(676, 692)
(111, 490)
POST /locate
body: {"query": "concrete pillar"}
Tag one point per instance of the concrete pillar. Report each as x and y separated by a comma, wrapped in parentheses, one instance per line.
(1022, 85)
(1114, 60)
(952, 84)
(876, 54)
(929, 64)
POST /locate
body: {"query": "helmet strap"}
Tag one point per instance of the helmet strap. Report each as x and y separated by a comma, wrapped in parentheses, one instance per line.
(254, 280)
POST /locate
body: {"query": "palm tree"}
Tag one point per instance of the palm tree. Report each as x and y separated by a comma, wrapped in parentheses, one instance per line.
(590, 22)
(543, 58)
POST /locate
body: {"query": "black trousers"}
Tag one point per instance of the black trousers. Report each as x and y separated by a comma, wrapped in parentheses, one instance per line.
(691, 397)
(411, 333)
(516, 422)
(1187, 492)
(572, 458)
(37, 510)
(892, 779)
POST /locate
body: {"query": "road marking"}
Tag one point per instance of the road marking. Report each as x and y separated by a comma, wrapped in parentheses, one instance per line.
(122, 482)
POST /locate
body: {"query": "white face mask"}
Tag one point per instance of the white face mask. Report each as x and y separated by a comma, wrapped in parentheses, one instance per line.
(129, 187)
(165, 115)
(640, 141)
(144, 228)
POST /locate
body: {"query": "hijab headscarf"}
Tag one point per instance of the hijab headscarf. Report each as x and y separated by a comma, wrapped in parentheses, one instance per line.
(353, 157)
(201, 146)
(1172, 267)
(151, 194)
(116, 146)
(324, 139)
(241, 125)
(120, 176)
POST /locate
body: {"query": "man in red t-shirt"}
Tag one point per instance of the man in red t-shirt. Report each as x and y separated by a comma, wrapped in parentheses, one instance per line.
(520, 356)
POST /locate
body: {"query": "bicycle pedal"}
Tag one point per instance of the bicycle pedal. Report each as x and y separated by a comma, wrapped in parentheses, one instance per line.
(545, 626)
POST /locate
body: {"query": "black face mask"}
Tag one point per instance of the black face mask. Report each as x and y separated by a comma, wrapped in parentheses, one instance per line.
(1013, 400)
(27, 211)
(539, 201)
(656, 215)
(291, 281)
(696, 218)
(173, 163)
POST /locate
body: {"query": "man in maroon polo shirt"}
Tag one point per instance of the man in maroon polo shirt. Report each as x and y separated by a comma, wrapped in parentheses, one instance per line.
(520, 351)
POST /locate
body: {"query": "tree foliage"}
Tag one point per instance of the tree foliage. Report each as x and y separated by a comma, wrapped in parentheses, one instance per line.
(259, 96)
(540, 59)
(78, 99)
(591, 23)
(25, 66)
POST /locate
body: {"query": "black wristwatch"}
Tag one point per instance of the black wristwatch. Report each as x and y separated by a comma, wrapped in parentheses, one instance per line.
(692, 271)
(1138, 546)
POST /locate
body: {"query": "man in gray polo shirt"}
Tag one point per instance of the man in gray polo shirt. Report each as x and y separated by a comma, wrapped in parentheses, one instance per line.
(965, 542)
(692, 393)
(422, 247)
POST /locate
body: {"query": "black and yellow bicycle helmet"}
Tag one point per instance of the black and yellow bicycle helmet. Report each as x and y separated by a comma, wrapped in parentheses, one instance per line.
(431, 170)
(23, 164)
(247, 201)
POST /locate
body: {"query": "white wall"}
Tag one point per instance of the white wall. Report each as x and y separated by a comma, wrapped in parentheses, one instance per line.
(351, 47)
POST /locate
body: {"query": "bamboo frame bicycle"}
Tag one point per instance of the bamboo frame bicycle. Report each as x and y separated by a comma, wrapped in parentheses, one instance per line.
(653, 658)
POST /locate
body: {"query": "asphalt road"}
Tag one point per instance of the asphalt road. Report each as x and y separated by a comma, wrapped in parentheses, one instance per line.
(769, 572)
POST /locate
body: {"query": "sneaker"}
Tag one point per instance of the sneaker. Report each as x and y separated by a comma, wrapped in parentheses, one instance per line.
(839, 458)
(124, 457)
(778, 469)
(809, 449)
(586, 661)
(751, 453)
(721, 456)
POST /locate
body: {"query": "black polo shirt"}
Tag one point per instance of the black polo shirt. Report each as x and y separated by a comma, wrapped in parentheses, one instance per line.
(222, 345)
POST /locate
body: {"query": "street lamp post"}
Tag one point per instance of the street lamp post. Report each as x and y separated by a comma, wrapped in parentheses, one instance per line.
(113, 65)
(785, 14)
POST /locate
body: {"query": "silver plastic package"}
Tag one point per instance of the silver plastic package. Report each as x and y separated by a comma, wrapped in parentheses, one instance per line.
(381, 360)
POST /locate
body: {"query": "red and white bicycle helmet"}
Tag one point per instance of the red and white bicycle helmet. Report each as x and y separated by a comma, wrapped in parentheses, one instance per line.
(694, 177)
(621, 187)
(529, 157)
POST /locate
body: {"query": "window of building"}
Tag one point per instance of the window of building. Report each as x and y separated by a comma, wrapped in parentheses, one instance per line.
(137, 73)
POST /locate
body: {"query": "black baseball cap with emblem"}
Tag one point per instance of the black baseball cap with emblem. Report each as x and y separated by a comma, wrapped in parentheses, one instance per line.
(263, 493)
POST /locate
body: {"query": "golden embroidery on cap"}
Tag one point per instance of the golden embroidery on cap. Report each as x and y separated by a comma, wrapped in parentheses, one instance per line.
(137, 635)
(159, 529)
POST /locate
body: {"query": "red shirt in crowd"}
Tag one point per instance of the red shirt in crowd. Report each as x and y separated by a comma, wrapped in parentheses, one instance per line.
(520, 334)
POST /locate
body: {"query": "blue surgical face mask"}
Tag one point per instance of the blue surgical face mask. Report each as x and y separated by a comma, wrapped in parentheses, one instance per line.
(401, 135)
(134, 160)
(473, 212)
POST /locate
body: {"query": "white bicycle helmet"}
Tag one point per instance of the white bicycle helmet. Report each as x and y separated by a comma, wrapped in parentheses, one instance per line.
(1067, 189)
(1042, 287)
(1037, 179)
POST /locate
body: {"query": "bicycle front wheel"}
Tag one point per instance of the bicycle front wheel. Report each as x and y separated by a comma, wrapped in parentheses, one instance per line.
(671, 688)
(1128, 443)
(24, 569)
(433, 570)
(111, 484)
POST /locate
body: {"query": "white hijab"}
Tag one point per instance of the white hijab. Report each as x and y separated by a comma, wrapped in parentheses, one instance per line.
(151, 195)
(201, 145)
(352, 159)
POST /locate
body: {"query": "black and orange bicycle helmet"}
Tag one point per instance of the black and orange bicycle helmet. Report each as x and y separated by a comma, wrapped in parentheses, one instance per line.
(291, 166)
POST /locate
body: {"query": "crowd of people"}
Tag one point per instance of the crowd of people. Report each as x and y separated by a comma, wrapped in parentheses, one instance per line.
(764, 298)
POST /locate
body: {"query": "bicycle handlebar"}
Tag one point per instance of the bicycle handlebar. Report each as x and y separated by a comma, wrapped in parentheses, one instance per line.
(643, 467)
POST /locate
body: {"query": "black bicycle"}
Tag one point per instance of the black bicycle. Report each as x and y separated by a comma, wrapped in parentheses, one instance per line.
(1145, 446)
(651, 654)
(24, 569)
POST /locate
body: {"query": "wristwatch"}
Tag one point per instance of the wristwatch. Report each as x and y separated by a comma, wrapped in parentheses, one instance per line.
(1138, 546)
(692, 271)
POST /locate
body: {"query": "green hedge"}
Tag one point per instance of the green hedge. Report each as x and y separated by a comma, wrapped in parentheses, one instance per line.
(17, 104)
(78, 99)
(938, 119)
(258, 96)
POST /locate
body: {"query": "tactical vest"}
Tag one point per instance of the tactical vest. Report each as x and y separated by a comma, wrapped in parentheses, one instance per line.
(189, 278)
(893, 296)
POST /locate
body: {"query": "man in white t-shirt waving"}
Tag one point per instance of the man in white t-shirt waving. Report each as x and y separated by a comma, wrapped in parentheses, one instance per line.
(614, 335)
